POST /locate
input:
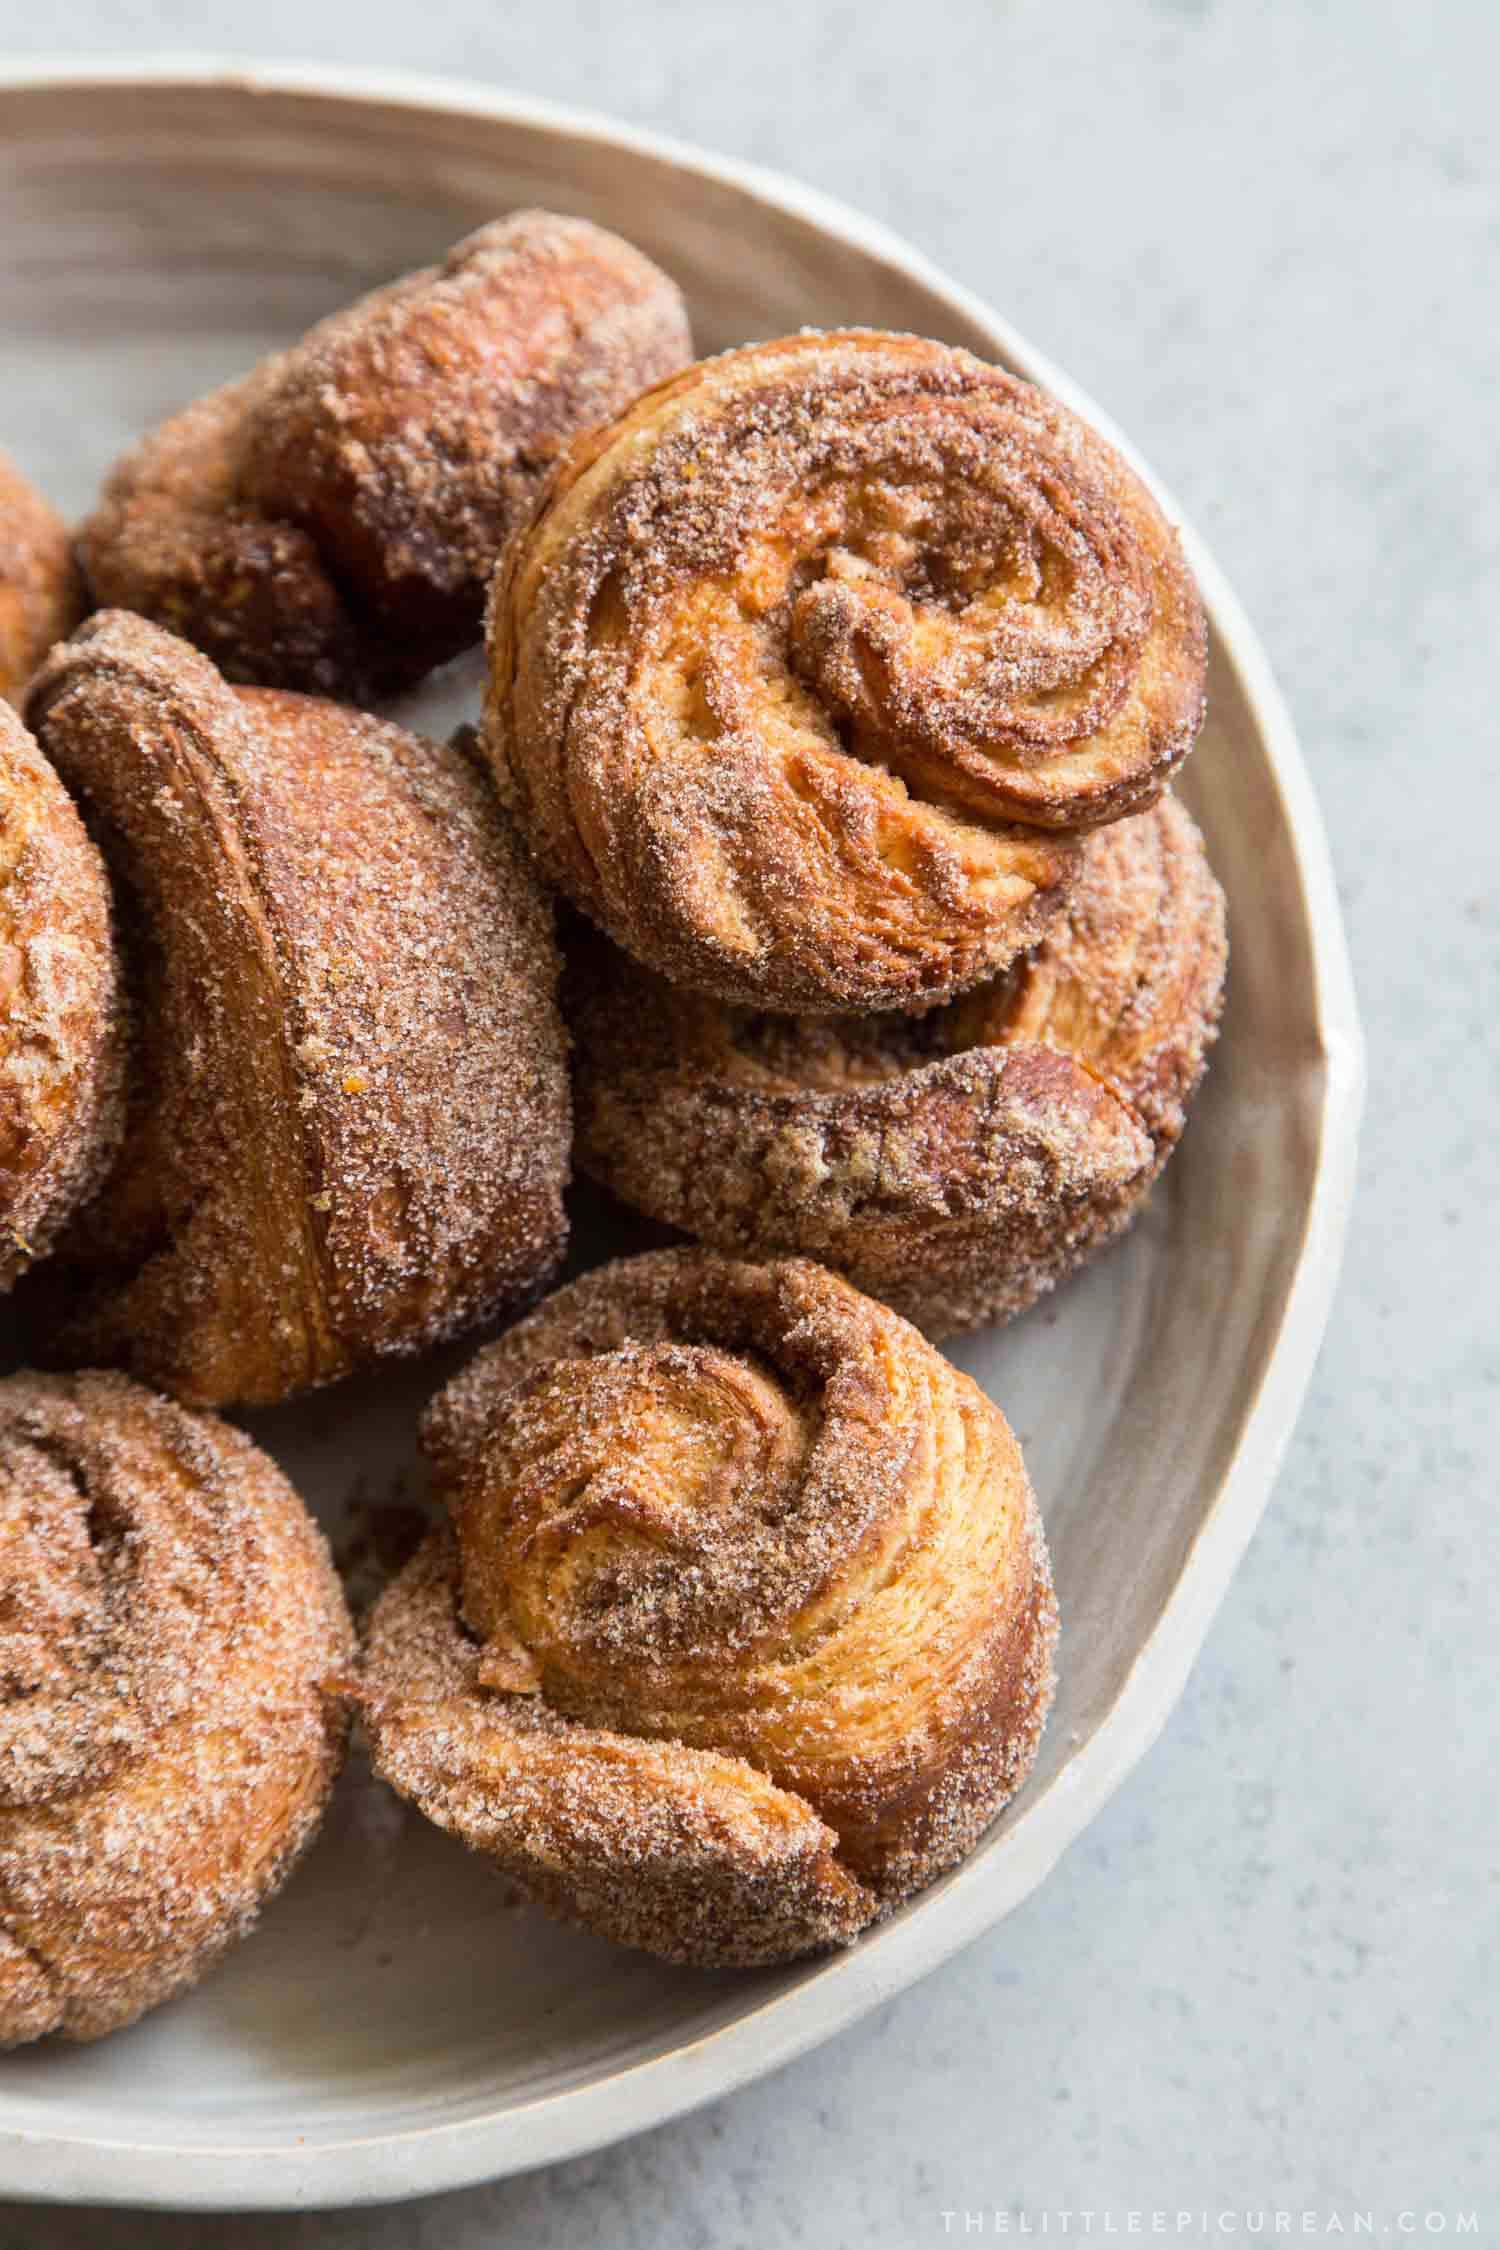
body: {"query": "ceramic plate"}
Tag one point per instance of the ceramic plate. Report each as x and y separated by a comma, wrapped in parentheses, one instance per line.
(393, 2027)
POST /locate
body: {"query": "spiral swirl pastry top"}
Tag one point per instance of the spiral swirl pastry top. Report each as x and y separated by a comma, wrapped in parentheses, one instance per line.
(329, 522)
(348, 1130)
(807, 668)
(955, 1164)
(40, 597)
(169, 1621)
(62, 1035)
(743, 1627)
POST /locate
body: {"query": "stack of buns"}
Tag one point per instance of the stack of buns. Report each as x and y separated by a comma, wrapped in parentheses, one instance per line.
(813, 879)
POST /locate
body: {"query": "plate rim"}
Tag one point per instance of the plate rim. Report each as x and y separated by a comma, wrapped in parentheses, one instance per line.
(355, 2169)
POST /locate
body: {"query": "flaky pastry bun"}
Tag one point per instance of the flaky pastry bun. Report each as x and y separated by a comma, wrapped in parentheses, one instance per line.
(40, 594)
(62, 1034)
(742, 1629)
(330, 521)
(348, 1129)
(955, 1164)
(170, 1624)
(807, 668)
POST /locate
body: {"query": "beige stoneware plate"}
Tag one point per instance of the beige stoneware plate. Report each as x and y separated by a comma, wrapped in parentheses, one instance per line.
(393, 2027)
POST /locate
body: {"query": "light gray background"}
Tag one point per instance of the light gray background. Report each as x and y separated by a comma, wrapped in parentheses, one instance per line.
(1261, 232)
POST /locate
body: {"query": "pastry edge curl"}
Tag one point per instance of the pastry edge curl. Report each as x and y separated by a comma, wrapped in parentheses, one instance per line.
(721, 1866)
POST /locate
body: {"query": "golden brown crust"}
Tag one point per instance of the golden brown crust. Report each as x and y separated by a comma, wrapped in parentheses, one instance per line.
(61, 1028)
(807, 668)
(956, 1164)
(173, 539)
(743, 1628)
(41, 598)
(329, 523)
(349, 1122)
(169, 1623)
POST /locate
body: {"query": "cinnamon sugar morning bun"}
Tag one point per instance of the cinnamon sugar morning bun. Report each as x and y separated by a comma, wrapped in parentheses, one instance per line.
(330, 521)
(348, 1119)
(956, 1164)
(40, 597)
(62, 1035)
(742, 1627)
(170, 1623)
(807, 669)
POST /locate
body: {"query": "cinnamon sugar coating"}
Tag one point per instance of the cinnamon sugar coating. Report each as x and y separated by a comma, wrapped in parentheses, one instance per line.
(957, 1164)
(329, 522)
(348, 1125)
(62, 1034)
(170, 1623)
(807, 670)
(40, 595)
(742, 1628)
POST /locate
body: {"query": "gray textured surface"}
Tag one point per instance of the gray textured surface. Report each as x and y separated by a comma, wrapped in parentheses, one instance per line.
(1264, 236)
